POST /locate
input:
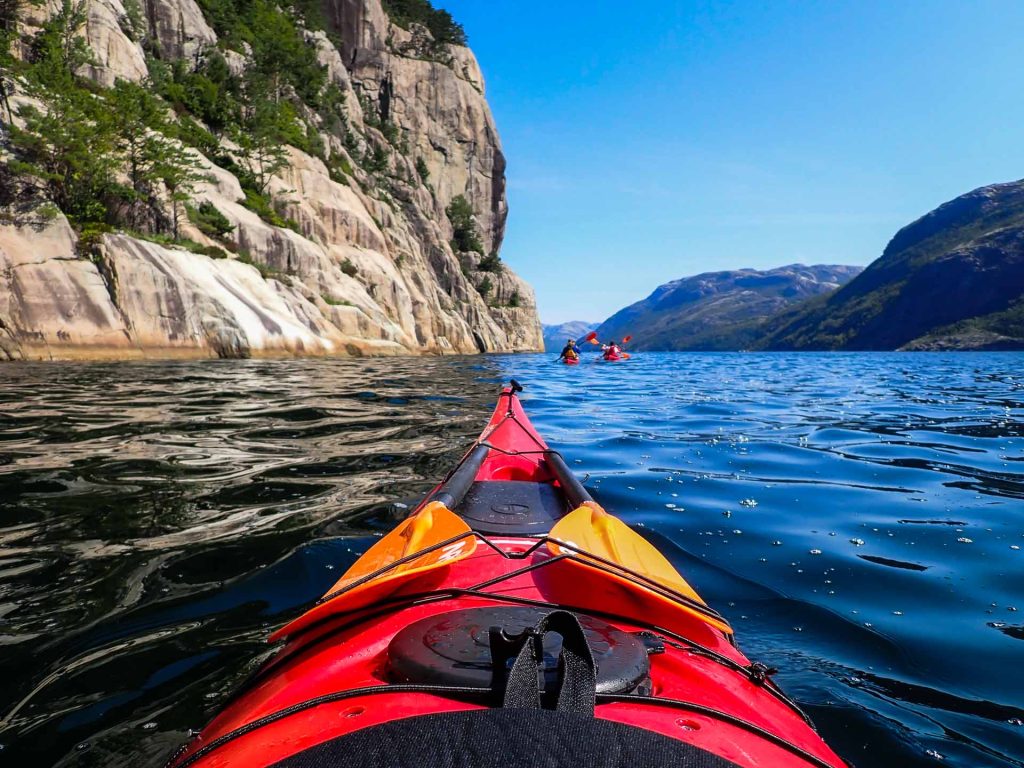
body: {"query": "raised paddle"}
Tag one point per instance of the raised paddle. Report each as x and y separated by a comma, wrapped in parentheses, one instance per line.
(590, 529)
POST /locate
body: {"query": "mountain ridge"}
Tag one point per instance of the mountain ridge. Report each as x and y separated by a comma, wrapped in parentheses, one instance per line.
(719, 310)
(952, 279)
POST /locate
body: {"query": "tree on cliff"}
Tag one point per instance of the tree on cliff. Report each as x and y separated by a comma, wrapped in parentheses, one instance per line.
(443, 28)
(465, 236)
(75, 149)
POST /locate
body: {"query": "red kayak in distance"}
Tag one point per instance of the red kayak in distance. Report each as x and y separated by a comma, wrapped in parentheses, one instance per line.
(571, 360)
(510, 621)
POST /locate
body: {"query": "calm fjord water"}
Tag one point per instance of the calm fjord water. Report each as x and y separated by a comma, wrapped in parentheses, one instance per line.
(859, 518)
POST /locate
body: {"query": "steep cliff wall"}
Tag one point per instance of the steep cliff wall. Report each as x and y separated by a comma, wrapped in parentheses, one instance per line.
(364, 263)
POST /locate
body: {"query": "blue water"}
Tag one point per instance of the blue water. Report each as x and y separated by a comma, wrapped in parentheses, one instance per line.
(858, 517)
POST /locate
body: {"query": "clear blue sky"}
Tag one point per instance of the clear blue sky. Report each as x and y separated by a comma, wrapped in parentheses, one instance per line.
(650, 140)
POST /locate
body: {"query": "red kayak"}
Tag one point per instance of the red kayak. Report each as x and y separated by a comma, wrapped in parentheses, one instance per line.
(571, 360)
(510, 621)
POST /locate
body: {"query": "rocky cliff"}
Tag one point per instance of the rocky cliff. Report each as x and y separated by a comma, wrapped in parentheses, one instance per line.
(720, 310)
(953, 279)
(347, 246)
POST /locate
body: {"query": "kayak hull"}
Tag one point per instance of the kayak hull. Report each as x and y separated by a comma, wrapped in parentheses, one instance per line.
(345, 667)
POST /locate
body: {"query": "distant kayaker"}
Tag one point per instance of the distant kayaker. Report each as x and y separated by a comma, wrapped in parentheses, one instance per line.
(611, 350)
(569, 351)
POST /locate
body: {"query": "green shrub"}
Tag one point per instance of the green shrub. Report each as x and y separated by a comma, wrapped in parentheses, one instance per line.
(349, 268)
(263, 207)
(484, 286)
(443, 28)
(209, 220)
(514, 300)
(465, 237)
(376, 159)
(491, 263)
(265, 270)
(90, 237)
(335, 302)
(422, 171)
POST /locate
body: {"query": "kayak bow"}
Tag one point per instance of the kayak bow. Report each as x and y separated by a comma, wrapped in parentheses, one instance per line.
(510, 617)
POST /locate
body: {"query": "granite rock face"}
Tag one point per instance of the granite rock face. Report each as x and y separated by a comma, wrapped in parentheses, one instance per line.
(364, 271)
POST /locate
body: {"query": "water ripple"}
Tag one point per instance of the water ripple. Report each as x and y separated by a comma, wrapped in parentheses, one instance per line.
(857, 517)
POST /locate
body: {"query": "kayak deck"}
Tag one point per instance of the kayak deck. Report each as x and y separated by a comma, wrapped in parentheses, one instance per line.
(507, 541)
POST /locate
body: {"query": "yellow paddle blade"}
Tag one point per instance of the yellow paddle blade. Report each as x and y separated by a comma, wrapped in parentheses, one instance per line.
(592, 530)
(430, 527)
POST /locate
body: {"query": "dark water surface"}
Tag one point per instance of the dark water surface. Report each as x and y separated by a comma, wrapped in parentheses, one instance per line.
(859, 518)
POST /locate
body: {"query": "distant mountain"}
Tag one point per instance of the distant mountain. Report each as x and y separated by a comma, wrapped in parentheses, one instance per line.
(720, 310)
(555, 336)
(953, 279)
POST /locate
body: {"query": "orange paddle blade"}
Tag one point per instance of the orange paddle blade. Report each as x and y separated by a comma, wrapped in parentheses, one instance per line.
(627, 339)
(429, 528)
(594, 531)
(624, 355)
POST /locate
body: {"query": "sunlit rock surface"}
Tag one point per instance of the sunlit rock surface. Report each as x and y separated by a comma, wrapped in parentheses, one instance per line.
(367, 272)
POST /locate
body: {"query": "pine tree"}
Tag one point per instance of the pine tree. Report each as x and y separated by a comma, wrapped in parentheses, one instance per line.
(68, 153)
(259, 136)
(179, 172)
(142, 147)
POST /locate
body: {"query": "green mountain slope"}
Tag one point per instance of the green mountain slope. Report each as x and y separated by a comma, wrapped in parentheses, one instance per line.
(952, 279)
(720, 310)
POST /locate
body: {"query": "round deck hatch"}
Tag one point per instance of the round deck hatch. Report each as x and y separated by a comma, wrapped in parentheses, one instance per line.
(454, 649)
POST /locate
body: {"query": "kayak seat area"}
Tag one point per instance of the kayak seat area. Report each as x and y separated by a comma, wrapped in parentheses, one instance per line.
(504, 738)
(511, 507)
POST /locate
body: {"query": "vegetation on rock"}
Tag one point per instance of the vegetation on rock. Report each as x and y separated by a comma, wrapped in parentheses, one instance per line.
(465, 236)
(442, 27)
